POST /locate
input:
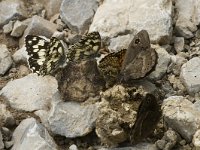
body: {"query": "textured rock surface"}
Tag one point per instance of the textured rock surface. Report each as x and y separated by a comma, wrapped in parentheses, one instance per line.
(6, 118)
(1, 141)
(79, 18)
(30, 93)
(18, 28)
(179, 44)
(71, 119)
(196, 139)
(112, 18)
(8, 27)
(10, 9)
(182, 116)
(190, 75)
(162, 63)
(20, 55)
(5, 59)
(33, 136)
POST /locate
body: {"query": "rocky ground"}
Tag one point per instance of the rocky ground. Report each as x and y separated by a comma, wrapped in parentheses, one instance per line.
(34, 114)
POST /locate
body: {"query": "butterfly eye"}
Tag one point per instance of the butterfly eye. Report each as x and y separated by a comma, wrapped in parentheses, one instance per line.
(137, 41)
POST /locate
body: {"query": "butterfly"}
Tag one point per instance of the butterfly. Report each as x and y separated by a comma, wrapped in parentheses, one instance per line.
(148, 115)
(46, 57)
(134, 63)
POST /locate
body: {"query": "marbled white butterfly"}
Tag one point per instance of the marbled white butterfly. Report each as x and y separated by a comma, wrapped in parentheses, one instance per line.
(45, 57)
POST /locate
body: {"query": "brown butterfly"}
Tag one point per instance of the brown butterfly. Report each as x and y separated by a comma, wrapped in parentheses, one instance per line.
(148, 115)
(134, 63)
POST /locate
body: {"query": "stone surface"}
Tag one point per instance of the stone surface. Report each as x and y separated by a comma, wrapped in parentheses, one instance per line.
(71, 119)
(53, 7)
(120, 42)
(112, 19)
(5, 59)
(1, 141)
(39, 26)
(179, 44)
(8, 27)
(181, 115)
(10, 9)
(18, 29)
(190, 75)
(20, 55)
(6, 118)
(196, 140)
(77, 78)
(168, 141)
(33, 136)
(162, 63)
(187, 17)
(30, 93)
(79, 18)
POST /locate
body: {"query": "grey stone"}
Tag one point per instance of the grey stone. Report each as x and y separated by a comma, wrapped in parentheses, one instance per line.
(39, 26)
(18, 29)
(20, 55)
(1, 141)
(185, 28)
(9, 144)
(73, 147)
(32, 135)
(181, 115)
(79, 18)
(11, 9)
(7, 133)
(190, 75)
(5, 59)
(120, 42)
(53, 7)
(112, 18)
(162, 63)
(187, 16)
(179, 44)
(196, 140)
(71, 119)
(8, 27)
(30, 93)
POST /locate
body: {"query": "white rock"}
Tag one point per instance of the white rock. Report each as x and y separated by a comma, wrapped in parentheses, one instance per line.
(18, 29)
(79, 18)
(30, 93)
(162, 63)
(120, 42)
(20, 55)
(71, 119)
(73, 147)
(31, 135)
(182, 116)
(190, 75)
(117, 17)
(10, 9)
(5, 59)
(179, 44)
(188, 16)
(196, 140)
(8, 27)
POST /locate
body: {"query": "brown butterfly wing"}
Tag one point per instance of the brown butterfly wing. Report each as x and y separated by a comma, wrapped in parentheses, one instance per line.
(148, 115)
(140, 57)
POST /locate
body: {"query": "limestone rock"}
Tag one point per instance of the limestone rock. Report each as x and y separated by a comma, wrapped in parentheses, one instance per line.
(53, 7)
(20, 55)
(8, 27)
(10, 9)
(181, 115)
(18, 29)
(196, 139)
(5, 59)
(179, 44)
(79, 18)
(6, 118)
(112, 19)
(71, 119)
(1, 141)
(190, 75)
(162, 63)
(30, 93)
(33, 136)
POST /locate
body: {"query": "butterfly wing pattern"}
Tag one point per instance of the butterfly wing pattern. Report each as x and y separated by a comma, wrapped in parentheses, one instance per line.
(46, 57)
(86, 48)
